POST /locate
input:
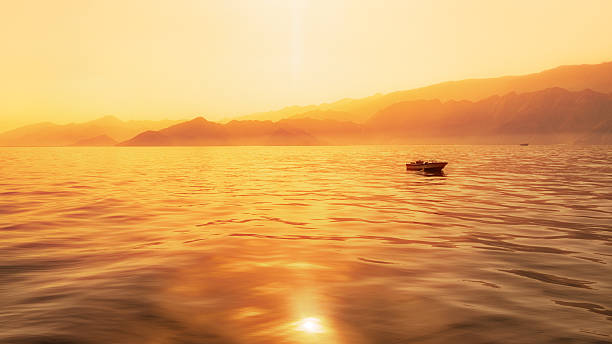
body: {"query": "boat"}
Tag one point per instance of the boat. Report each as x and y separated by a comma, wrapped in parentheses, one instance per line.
(524, 144)
(427, 166)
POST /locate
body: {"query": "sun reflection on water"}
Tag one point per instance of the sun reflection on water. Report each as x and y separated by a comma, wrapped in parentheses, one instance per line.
(310, 325)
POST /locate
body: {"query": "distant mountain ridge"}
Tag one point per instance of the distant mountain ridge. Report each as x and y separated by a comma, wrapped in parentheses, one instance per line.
(553, 115)
(49, 134)
(101, 140)
(200, 132)
(579, 113)
(549, 116)
(597, 77)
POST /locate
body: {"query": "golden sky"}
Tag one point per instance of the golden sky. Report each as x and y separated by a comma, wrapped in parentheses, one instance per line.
(76, 60)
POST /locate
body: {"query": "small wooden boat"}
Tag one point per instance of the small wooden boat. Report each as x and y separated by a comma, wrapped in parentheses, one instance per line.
(427, 166)
(524, 144)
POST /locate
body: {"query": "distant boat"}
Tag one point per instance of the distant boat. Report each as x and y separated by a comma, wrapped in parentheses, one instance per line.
(524, 144)
(427, 166)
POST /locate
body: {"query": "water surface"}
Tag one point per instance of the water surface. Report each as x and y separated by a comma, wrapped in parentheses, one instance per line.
(305, 245)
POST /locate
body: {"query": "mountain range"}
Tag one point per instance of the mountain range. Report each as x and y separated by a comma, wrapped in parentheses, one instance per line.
(553, 115)
(597, 77)
(569, 104)
(102, 131)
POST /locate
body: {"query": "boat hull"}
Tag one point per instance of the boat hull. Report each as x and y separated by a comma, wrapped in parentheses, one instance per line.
(427, 167)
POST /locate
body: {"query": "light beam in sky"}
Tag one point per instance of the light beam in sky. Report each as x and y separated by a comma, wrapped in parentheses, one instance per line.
(73, 61)
(297, 40)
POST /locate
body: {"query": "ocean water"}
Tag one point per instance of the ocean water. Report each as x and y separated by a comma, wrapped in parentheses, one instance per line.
(305, 245)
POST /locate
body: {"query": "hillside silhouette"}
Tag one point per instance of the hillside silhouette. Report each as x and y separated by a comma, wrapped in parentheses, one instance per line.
(569, 104)
(49, 134)
(597, 77)
(549, 116)
(101, 140)
(200, 132)
(553, 115)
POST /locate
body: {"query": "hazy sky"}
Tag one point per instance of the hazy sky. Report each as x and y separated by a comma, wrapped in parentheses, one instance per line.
(75, 60)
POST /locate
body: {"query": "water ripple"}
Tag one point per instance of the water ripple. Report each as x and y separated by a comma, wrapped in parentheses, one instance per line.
(248, 244)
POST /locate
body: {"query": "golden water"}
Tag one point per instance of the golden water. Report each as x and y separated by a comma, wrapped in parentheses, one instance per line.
(305, 245)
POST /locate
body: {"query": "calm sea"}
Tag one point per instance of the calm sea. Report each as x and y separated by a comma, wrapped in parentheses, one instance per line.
(305, 245)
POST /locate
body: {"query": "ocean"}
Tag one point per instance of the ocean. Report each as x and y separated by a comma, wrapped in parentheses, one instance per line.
(325, 244)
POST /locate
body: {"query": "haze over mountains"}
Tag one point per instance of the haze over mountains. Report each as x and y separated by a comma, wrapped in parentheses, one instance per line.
(102, 131)
(597, 77)
(200, 132)
(553, 115)
(569, 104)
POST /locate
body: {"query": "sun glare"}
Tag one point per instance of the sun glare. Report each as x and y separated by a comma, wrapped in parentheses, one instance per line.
(310, 325)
